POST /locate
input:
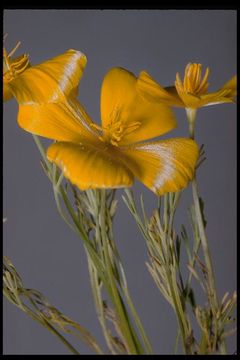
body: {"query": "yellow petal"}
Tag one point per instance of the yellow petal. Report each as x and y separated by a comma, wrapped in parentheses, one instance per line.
(138, 118)
(226, 94)
(218, 97)
(231, 85)
(50, 81)
(190, 100)
(7, 94)
(150, 89)
(163, 166)
(63, 121)
(89, 167)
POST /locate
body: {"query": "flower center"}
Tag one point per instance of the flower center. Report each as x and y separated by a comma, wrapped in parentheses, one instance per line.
(116, 129)
(12, 68)
(193, 82)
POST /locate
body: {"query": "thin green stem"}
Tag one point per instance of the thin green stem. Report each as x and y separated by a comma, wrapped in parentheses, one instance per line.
(213, 299)
(191, 116)
(89, 248)
(205, 247)
(169, 211)
(61, 338)
(138, 322)
(166, 251)
(124, 322)
(42, 152)
(177, 341)
(102, 261)
(98, 301)
(182, 322)
(41, 321)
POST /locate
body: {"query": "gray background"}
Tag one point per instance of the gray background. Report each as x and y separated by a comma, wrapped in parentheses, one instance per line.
(46, 253)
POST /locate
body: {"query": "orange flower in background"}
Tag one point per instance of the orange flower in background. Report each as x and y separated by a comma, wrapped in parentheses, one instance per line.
(49, 82)
(112, 155)
(11, 69)
(49, 89)
(191, 93)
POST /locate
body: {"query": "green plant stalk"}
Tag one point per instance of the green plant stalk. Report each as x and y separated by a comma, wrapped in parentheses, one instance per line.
(95, 260)
(122, 282)
(213, 295)
(182, 322)
(180, 314)
(61, 338)
(42, 322)
(15, 292)
(94, 197)
(98, 302)
(135, 345)
(42, 152)
(176, 342)
(124, 322)
(54, 331)
(81, 233)
(88, 246)
(137, 319)
(191, 116)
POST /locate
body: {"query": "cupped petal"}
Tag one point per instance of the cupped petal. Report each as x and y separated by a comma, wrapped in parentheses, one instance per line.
(152, 91)
(7, 94)
(219, 97)
(63, 121)
(138, 118)
(163, 166)
(190, 100)
(89, 167)
(51, 81)
(231, 85)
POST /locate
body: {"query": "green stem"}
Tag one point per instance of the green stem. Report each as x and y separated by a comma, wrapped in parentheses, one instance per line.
(60, 337)
(213, 299)
(98, 301)
(42, 152)
(138, 322)
(124, 322)
(205, 246)
(41, 321)
(169, 211)
(182, 322)
(167, 252)
(191, 116)
(176, 342)
(108, 279)
(90, 250)
(51, 329)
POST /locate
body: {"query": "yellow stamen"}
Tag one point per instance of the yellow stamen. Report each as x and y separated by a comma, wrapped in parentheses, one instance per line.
(6, 64)
(186, 80)
(178, 83)
(12, 68)
(192, 83)
(204, 85)
(14, 49)
(116, 129)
